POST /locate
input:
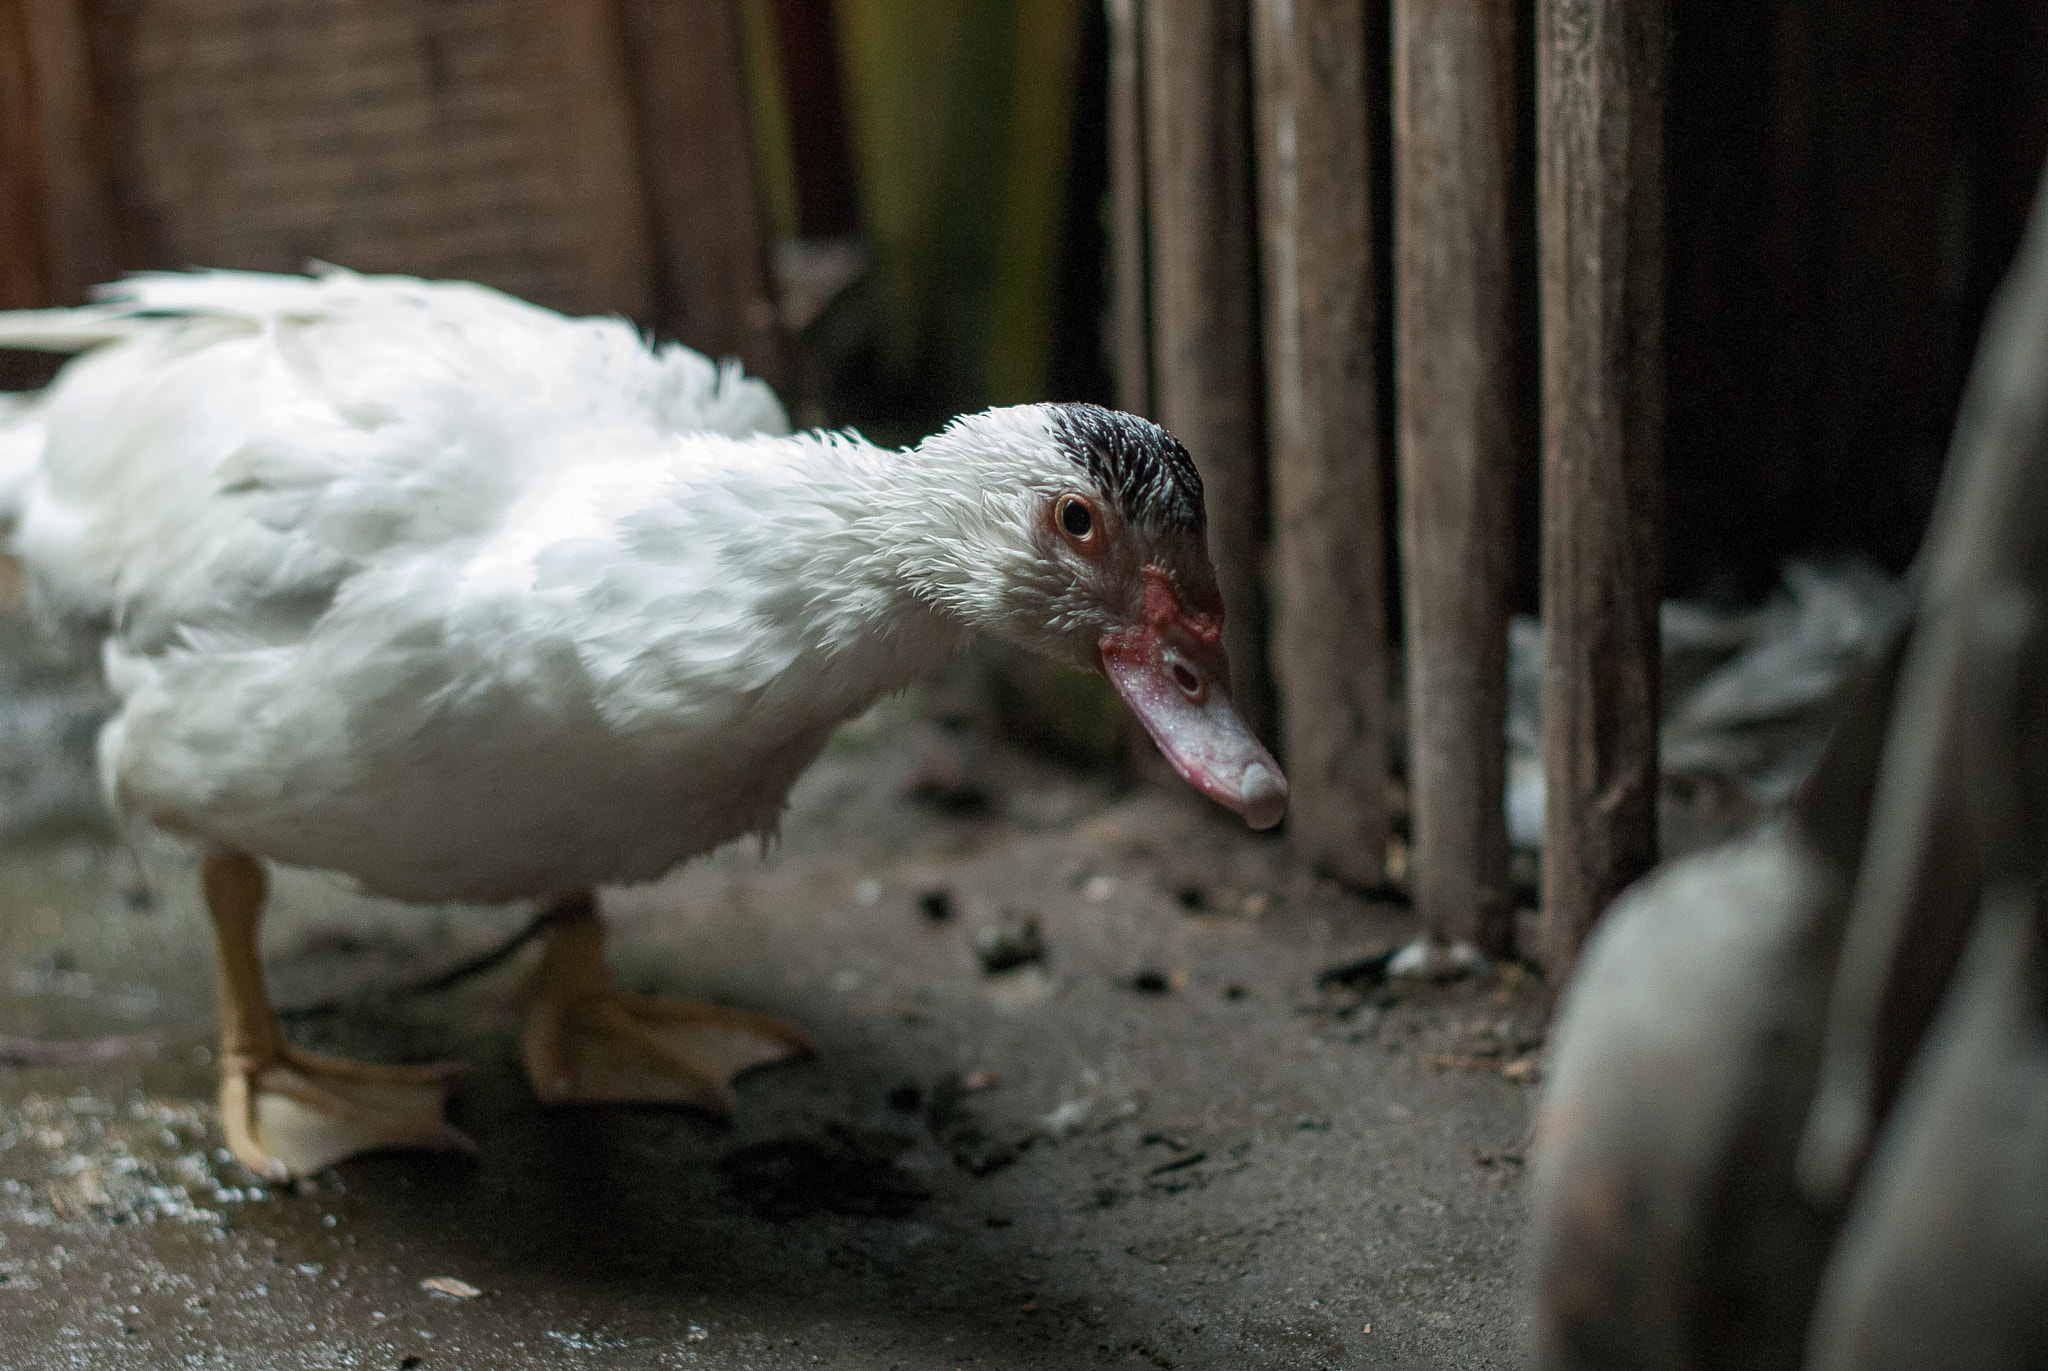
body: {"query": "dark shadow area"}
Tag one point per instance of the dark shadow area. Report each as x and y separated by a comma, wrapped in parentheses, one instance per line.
(1846, 183)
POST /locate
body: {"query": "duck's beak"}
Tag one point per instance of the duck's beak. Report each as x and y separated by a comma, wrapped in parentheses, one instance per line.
(1170, 668)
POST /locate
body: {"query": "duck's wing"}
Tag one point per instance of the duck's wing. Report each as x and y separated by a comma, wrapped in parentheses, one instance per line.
(678, 389)
(236, 446)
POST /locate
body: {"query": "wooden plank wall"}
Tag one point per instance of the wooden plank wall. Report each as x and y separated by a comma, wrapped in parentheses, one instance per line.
(61, 177)
(24, 264)
(591, 155)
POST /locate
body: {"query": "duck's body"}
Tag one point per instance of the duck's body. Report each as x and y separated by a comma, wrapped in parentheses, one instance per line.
(472, 602)
(464, 599)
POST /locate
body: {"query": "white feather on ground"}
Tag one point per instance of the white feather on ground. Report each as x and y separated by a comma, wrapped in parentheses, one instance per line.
(1750, 695)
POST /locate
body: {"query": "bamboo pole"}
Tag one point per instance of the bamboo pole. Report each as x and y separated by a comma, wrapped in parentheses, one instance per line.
(1205, 318)
(1454, 136)
(1329, 612)
(1130, 312)
(1600, 217)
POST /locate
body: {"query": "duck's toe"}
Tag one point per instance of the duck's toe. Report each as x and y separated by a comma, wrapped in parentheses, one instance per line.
(605, 1046)
(307, 1111)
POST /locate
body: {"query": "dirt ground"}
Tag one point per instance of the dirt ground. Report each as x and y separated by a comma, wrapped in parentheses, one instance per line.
(1160, 1144)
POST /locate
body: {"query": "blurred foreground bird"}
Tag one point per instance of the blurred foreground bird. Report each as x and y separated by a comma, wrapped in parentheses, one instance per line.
(472, 602)
(1797, 1107)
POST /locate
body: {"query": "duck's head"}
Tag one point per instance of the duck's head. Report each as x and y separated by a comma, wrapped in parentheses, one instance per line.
(1077, 532)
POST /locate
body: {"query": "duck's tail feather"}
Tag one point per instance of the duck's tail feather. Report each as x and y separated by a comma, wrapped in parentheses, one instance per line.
(144, 299)
(122, 310)
(66, 330)
(21, 419)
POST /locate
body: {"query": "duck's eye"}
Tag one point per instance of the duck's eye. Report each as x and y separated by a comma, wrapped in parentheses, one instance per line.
(1076, 521)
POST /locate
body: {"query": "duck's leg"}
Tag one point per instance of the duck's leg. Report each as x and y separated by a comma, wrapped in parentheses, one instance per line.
(587, 1041)
(288, 1112)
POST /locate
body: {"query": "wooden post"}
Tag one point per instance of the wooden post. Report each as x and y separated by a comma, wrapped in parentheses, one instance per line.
(1454, 138)
(1329, 611)
(64, 230)
(63, 227)
(1130, 277)
(1600, 219)
(1205, 319)
(24, 265)
(697, 152)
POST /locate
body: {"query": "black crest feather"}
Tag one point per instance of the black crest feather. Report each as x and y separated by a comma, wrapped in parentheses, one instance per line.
(1141, 467)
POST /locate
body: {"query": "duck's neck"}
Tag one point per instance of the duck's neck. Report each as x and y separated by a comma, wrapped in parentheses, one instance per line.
(804, 577)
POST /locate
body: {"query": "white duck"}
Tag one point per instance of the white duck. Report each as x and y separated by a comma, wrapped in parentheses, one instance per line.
(419, 583)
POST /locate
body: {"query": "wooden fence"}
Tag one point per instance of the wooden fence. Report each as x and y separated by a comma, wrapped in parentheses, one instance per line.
(1199, 238)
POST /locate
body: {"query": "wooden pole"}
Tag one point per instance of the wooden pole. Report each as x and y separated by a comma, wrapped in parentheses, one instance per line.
(1205, 316)
(64, 227)
(24, 264)
(1329, 611)
(1130, 309)
(1454, 138)
(65, 230)
(710, 245)
(1600, 219)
